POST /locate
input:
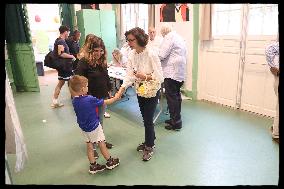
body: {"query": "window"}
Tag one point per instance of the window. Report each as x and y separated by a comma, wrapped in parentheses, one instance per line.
(262, 19)
(226, 19)
(134, 15)
(265, 19)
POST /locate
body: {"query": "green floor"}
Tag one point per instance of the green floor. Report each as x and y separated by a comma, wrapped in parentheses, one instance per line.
(216, 146)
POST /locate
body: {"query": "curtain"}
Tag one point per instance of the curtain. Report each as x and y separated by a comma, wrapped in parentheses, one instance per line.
(67, 15)
(206, 22)
(151, 15)
(118, 24)
(21, 150)
(17, 28)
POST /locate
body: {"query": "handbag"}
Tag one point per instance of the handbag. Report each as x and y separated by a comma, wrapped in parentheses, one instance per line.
(50, 60)
(147, 89)
(58, 63)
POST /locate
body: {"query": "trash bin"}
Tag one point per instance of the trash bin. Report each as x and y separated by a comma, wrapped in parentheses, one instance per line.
(39, 68)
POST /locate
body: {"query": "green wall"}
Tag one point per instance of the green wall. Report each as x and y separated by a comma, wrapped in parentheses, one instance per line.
(193, 94)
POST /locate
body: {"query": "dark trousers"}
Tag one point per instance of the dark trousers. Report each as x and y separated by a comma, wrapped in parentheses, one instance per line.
(147, 109)
(173, 96)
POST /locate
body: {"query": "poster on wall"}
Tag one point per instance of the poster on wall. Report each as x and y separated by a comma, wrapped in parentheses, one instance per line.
(90, 6)
(174, 12)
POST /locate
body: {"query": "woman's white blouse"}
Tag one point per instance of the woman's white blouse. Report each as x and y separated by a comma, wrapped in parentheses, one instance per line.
(145, 62)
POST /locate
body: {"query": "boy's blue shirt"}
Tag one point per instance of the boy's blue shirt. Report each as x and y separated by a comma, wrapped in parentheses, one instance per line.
(85, 108)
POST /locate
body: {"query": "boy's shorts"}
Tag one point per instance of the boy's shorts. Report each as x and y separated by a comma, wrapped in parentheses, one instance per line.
(94, 136)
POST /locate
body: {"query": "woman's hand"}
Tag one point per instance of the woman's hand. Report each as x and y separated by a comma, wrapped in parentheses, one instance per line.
(274, 71)
(140, 75)
(120, 92)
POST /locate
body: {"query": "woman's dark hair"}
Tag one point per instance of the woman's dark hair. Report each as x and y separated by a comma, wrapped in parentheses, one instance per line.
(75, 32)
(140, 35)
(63, 29)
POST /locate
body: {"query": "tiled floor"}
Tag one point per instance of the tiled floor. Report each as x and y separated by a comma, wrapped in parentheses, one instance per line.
(216, 146)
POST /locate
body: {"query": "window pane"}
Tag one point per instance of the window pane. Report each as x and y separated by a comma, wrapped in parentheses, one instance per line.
(226, 19)
(263, 19)
(132, 11)
(234, 25)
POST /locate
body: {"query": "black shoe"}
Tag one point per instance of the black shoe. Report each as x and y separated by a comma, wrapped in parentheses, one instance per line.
(112, 163)
(142, 146)
(276, 140)
(96, 168)
(169, 121)
(109, 145)
(171, 127)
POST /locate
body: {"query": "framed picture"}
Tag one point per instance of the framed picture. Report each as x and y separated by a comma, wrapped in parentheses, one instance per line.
(90, 6)
(174, 13)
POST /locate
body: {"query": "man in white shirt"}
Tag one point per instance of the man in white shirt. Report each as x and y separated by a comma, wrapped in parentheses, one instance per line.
(272, 58)
(154, 41)
(173, 55)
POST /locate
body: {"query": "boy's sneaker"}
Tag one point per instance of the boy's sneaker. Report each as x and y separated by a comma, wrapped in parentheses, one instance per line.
(112, 163)
(106, 115)
(141, 147)
(56, 105)
(96, 155)
(96, 168)
(147, 153)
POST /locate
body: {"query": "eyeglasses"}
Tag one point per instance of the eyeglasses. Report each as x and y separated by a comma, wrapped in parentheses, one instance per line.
(130, 40)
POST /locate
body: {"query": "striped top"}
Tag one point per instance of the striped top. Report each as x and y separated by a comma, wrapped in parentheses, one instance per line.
(173, 54)
(272, 54)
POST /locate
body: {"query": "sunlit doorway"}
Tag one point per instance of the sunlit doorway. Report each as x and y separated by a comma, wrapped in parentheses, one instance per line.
(44, 20)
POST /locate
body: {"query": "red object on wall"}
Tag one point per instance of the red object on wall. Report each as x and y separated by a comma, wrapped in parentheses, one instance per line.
(37, 18)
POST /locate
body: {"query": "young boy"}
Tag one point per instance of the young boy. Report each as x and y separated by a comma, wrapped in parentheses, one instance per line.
(88, 120)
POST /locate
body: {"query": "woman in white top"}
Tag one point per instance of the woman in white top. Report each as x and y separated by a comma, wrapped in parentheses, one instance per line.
(143, 65)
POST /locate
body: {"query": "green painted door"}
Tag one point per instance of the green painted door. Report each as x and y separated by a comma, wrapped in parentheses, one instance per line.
(100, 23)
(23, 66)
(88, 21)
(108, 31)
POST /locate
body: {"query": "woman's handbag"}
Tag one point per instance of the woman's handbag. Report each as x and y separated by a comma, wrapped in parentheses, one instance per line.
(147, 89)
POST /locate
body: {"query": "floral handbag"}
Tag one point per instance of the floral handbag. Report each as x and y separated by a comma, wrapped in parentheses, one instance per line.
(147, 89)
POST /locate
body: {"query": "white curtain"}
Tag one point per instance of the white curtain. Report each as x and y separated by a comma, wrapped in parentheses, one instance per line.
(118, 24)
(21, 151)
(151, 15)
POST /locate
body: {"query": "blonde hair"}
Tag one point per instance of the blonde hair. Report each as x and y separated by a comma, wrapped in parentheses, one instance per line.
(76, 83)
(85, 45)
(165, 29)
(117, 52)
